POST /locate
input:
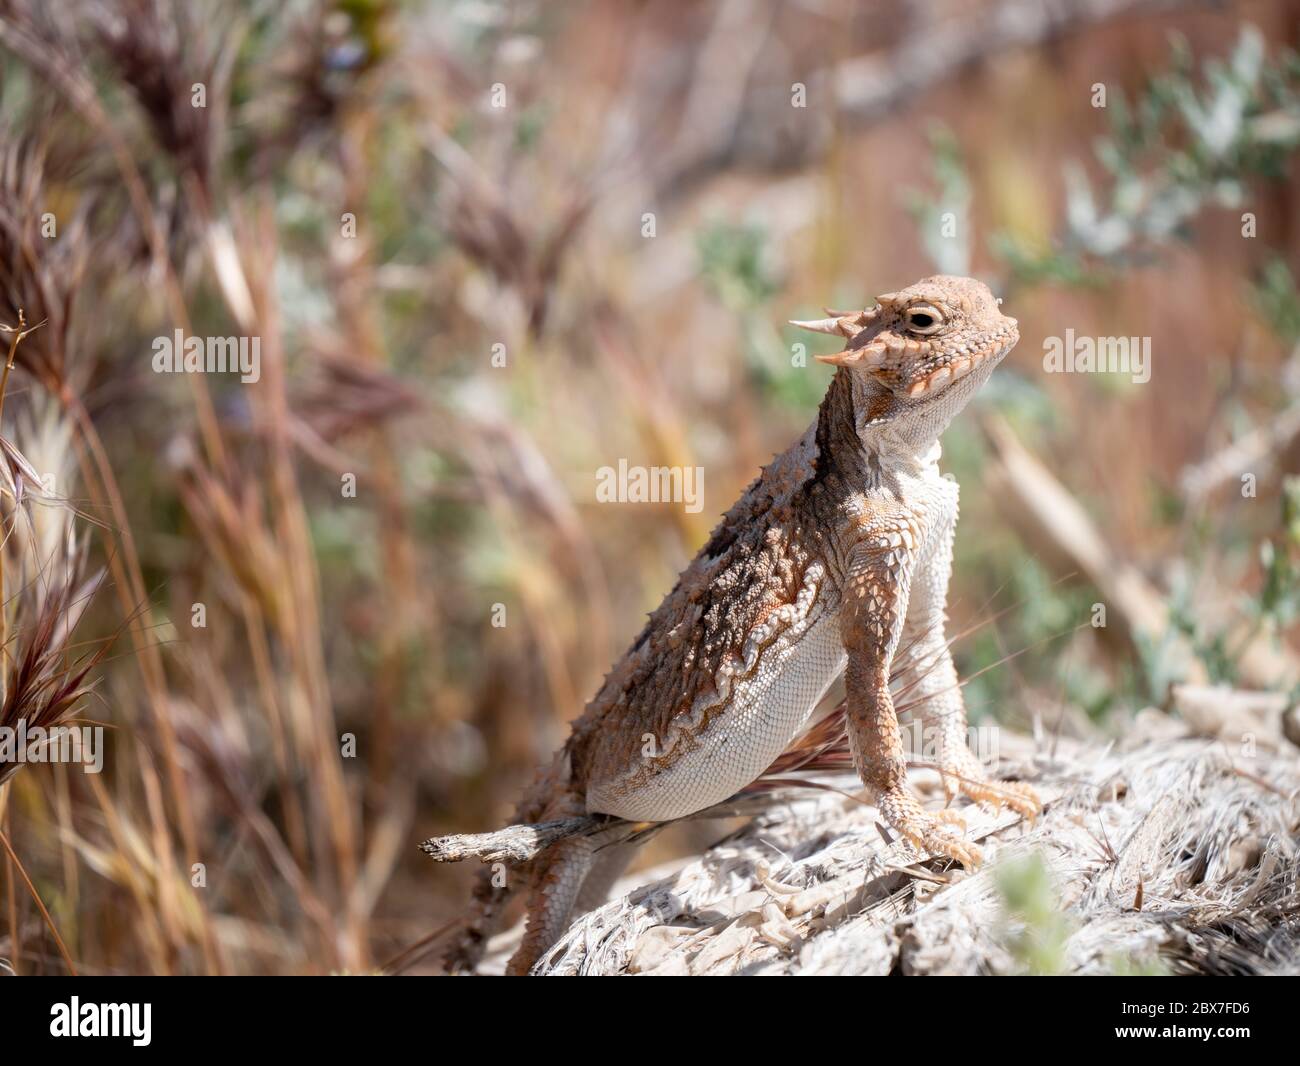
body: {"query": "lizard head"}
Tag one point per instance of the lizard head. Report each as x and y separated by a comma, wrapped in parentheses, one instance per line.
(921, 342)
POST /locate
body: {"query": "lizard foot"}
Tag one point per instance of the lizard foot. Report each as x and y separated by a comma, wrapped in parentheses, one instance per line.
(965, 776)
(934, 834)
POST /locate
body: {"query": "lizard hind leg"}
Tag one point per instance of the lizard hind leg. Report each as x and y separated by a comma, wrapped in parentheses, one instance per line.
(607, 866)
(936, 704)
(557, 880)
(487, 908)
(548, 796)
(572, 877)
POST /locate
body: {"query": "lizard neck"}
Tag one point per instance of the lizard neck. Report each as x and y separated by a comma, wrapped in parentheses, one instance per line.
(860, 415)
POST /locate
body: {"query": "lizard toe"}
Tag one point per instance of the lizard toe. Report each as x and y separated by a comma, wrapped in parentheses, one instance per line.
(939, 835)
(1013, 795)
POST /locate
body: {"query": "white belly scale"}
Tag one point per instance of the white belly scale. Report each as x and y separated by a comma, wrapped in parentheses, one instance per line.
(769, 707)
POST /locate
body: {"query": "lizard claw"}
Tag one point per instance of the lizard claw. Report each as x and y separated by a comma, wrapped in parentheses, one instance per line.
(930, 834)
(1013, 795)
(935, 836)
(951, 817)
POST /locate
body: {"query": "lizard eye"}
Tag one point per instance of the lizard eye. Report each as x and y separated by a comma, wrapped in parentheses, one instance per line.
(923, 319)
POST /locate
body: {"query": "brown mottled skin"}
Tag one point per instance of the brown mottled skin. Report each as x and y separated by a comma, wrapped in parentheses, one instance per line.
(839, 550)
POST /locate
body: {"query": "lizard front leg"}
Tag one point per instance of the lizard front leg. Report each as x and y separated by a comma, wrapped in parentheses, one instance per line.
(872, 616)
(934, 691)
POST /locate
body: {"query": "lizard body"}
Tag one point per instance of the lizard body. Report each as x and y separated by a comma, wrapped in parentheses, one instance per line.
(840, 550)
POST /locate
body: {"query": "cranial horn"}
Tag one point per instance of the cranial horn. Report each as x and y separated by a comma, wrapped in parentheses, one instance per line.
(839, 326)
(819, 325)
(887, 299)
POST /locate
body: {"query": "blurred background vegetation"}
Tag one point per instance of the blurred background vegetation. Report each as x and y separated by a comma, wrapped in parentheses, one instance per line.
(492, 247)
